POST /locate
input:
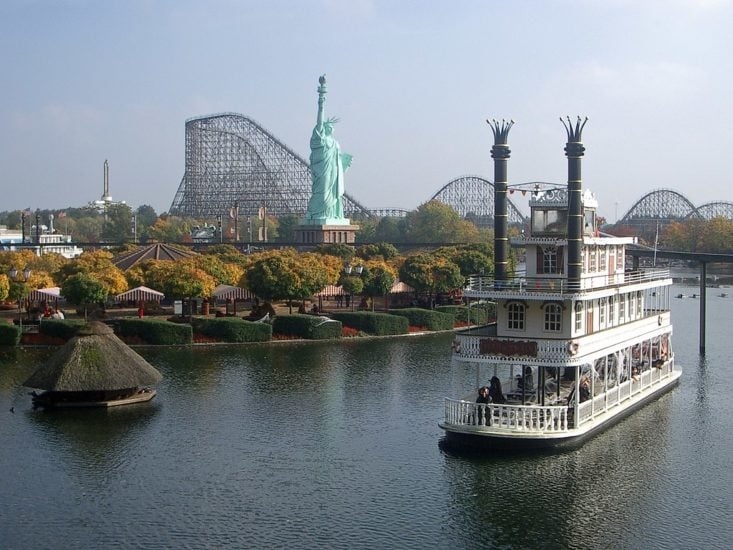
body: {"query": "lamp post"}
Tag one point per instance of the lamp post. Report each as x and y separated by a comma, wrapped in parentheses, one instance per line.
(348, 269)
(15, 276)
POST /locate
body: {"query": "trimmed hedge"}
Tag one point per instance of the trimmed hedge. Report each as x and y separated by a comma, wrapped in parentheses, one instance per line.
(65, 329)
(429, 319)
(310, 327)
(232, 329)
(377, 324)
(481, 314)
(9, 335)
(153, 331)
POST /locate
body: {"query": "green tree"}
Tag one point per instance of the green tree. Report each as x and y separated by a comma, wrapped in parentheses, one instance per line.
(378, 279)
(118, 224)
(436, 222)
(377, 251)
(342, 251)
(285, 229)
(145, 217)
(83, 290)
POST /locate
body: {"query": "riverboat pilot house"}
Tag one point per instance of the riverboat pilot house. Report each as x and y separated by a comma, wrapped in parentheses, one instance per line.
(579, 340)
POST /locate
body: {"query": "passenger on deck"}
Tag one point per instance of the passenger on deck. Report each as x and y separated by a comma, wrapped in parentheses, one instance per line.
(584, 390)
(495, 393)
(527, 382)
(481, 412)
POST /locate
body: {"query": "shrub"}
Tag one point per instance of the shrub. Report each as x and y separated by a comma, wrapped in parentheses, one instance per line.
(480, 314)
(232, 329)
(310, 327)
(377, 324)
(9, 335)
(153, 331)
(65, 329)
(429, 319)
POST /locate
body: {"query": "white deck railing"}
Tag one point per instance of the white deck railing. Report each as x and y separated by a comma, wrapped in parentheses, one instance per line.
(531, 418)
(480, 286)
(544, 419)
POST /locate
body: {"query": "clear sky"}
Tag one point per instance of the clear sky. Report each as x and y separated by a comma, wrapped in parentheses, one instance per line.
(412, 82)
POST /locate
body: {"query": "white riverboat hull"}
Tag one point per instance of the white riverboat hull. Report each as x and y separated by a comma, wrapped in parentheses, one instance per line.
(488, 439)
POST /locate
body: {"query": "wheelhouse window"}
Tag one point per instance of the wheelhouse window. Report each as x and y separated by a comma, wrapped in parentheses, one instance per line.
(553, 318)
(549, 222)
(516, 313)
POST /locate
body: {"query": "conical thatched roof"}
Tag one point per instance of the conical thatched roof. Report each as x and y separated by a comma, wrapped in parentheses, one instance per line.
(94, 360)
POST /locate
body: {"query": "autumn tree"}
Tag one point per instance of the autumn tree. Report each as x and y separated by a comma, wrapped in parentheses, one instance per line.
(432, 274)
(98, 265)
(286, 275)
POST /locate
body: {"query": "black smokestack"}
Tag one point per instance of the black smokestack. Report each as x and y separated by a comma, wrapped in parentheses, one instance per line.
(574, 150)
(500, 153)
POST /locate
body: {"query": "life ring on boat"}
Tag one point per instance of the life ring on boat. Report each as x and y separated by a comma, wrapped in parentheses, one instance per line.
(572, 348)
(456, 345)
(659, 320)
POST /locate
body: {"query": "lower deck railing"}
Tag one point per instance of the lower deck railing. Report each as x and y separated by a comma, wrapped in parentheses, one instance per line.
(510, 417)
(551, 418)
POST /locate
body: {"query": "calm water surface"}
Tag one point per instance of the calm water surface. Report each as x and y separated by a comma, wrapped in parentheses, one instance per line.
(335, 445)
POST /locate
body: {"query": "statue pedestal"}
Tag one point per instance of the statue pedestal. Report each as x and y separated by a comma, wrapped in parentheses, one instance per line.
(315, 234)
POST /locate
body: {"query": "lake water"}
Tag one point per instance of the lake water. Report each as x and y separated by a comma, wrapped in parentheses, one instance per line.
(336, 445)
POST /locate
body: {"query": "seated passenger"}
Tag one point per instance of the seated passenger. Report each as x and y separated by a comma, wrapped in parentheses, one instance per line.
(495, 393)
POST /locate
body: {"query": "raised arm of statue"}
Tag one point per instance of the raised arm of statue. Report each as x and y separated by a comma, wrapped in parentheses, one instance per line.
(321, 101)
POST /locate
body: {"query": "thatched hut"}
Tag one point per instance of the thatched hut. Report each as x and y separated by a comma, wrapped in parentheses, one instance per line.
(94, 369)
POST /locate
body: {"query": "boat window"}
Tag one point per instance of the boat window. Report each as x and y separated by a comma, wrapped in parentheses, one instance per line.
(578, 315)
(621, 308)
(549, 259)
(602, 312)
(515, 316)
(553, 318)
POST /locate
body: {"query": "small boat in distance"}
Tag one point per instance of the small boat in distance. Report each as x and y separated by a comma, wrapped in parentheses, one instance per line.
(579, 341)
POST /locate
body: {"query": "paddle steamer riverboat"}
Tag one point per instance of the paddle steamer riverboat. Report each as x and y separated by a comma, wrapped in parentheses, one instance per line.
(579, 341)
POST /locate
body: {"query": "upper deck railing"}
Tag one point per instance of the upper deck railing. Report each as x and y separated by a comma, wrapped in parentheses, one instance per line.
(478, 284)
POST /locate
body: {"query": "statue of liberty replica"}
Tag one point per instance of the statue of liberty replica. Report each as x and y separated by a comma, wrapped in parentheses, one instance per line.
(324, 222)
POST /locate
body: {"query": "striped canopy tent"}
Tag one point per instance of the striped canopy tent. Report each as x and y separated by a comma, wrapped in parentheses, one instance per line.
(400, 287)
(140, 294)
(232, 294)
(331, 290)
(45, 294)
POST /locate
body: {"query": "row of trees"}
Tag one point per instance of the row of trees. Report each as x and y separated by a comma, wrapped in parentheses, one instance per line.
(283, 274)
(432, 222)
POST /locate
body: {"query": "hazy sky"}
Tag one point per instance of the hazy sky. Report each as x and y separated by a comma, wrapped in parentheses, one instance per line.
(412, 82)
